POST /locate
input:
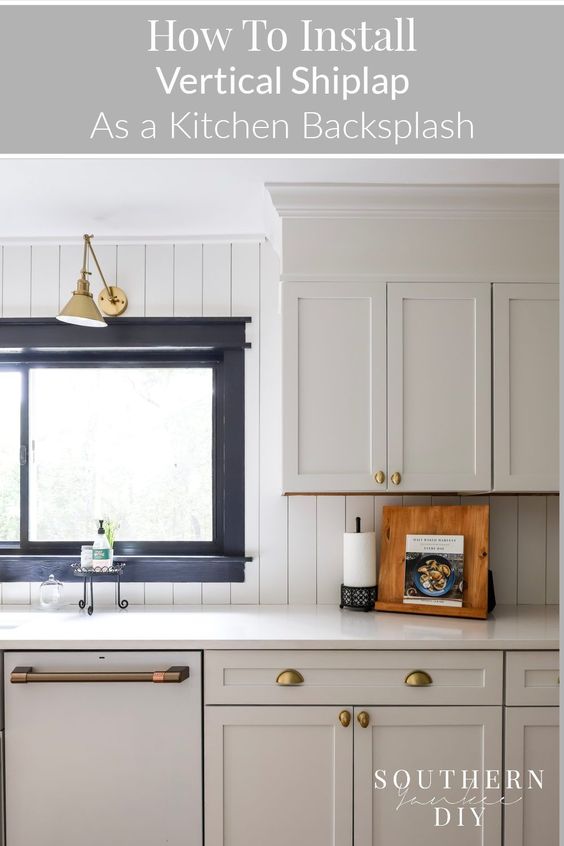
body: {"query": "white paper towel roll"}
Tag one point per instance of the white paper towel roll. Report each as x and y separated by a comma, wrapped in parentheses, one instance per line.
(359, 559)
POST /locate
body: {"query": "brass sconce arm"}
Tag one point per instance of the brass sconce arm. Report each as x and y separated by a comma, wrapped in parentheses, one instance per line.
(81, 309)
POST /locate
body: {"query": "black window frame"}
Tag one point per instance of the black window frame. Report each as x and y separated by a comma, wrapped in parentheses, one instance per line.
(218, 343)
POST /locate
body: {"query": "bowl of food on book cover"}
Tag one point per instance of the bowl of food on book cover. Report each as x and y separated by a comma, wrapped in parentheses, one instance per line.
(434, 569)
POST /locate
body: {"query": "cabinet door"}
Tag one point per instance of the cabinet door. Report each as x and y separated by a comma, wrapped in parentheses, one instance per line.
(277, 775)
(525, 387)
(334, 386)
(103, 763)
(430, 740)
(531, 744)
(439, 385)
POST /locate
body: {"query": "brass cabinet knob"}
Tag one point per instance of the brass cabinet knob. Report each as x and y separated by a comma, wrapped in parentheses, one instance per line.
(396, 478)
(418, 678)
(345, 718)
(380, 477)
(287, 678)
(363, 719)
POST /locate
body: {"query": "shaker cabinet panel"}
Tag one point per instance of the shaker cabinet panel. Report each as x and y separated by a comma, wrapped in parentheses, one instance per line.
(253, 677)
(430, 740)
(531, 745)
(525, 333)
(439, 386)
(278, 775)
(532, 678)
(334, 386)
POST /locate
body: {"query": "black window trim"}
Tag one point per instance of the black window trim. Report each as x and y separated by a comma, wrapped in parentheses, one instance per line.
(181, 342)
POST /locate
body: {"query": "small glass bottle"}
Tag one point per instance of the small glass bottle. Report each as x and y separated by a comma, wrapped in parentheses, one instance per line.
(51, 593)
(86, 557)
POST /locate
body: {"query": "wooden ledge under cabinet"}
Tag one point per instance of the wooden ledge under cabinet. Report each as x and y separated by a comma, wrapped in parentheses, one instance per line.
(434, 495)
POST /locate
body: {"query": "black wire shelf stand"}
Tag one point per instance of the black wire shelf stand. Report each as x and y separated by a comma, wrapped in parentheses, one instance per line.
(87, 574)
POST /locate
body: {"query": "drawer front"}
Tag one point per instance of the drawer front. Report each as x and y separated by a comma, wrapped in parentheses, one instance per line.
(532, 678)
(374, 678)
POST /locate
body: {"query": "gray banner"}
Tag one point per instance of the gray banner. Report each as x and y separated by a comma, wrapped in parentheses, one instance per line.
(292, 80)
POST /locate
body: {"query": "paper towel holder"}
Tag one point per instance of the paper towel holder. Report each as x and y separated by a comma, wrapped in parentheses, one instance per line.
(358, 598)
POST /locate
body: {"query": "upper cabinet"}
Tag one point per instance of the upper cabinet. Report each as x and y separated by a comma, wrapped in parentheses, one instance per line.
(386, 395)
(399, 384)
(525, 387)
(439, 387)
(389, 387)
(334, 386)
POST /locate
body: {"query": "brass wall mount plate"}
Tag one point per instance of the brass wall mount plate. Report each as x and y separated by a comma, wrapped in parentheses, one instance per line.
(114, 303)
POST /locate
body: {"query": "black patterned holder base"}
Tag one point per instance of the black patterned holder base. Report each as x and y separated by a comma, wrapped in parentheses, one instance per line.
(358, 598)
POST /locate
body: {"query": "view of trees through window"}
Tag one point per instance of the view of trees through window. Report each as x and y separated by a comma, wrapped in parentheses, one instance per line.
(130, 444)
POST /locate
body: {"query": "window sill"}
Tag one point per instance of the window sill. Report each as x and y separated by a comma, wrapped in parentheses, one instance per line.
(156, 568)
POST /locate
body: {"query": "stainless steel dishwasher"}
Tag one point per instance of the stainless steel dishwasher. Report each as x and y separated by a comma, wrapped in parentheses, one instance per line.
(103, 748)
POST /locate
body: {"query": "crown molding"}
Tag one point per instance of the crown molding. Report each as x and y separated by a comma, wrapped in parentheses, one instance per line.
(358, 201)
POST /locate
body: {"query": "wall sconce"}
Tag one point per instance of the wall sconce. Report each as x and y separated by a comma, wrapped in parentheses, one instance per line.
(81, 308)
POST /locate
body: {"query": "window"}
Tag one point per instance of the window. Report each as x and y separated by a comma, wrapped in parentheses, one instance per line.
(131, 444)
(149, 436)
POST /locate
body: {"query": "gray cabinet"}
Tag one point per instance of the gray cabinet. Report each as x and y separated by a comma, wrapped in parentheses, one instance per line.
(287, 760)
(531, 748)
(277, 775)
(531, 745)
(386, 387)
(525, 333)
(439, 386)
(334, 386)
(409, 740)
(389, 387)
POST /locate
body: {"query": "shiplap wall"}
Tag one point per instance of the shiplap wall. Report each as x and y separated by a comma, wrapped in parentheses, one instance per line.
(296, 542)
(523, 542)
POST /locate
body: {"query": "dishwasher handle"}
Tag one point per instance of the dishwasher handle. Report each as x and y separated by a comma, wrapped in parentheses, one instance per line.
(174, 675)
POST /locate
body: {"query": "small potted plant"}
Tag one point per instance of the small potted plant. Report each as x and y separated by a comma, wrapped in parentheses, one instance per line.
(111, 528)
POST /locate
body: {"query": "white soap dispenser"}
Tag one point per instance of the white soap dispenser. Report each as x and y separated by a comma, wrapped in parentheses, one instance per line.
(102, 553)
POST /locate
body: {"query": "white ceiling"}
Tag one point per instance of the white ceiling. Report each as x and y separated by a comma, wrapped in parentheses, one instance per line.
(135, 198)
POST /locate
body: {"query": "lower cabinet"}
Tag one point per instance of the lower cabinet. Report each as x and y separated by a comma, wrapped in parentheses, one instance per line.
(531, 750)
(408, 776)
(299, 774)
(278, 775)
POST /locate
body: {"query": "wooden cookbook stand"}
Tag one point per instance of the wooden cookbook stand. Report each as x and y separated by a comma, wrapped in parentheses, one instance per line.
(472, 521)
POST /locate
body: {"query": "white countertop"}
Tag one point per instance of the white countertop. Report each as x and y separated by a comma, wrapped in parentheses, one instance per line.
(273, 627)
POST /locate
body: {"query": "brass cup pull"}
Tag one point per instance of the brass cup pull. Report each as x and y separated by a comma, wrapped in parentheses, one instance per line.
(396, 478)
(288, 678)
(380, 477)
(363, 719)
(345, 718)
(418, 678)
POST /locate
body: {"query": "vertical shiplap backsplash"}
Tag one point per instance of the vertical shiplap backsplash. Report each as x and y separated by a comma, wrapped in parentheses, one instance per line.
(295, 542)
(523, 542)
